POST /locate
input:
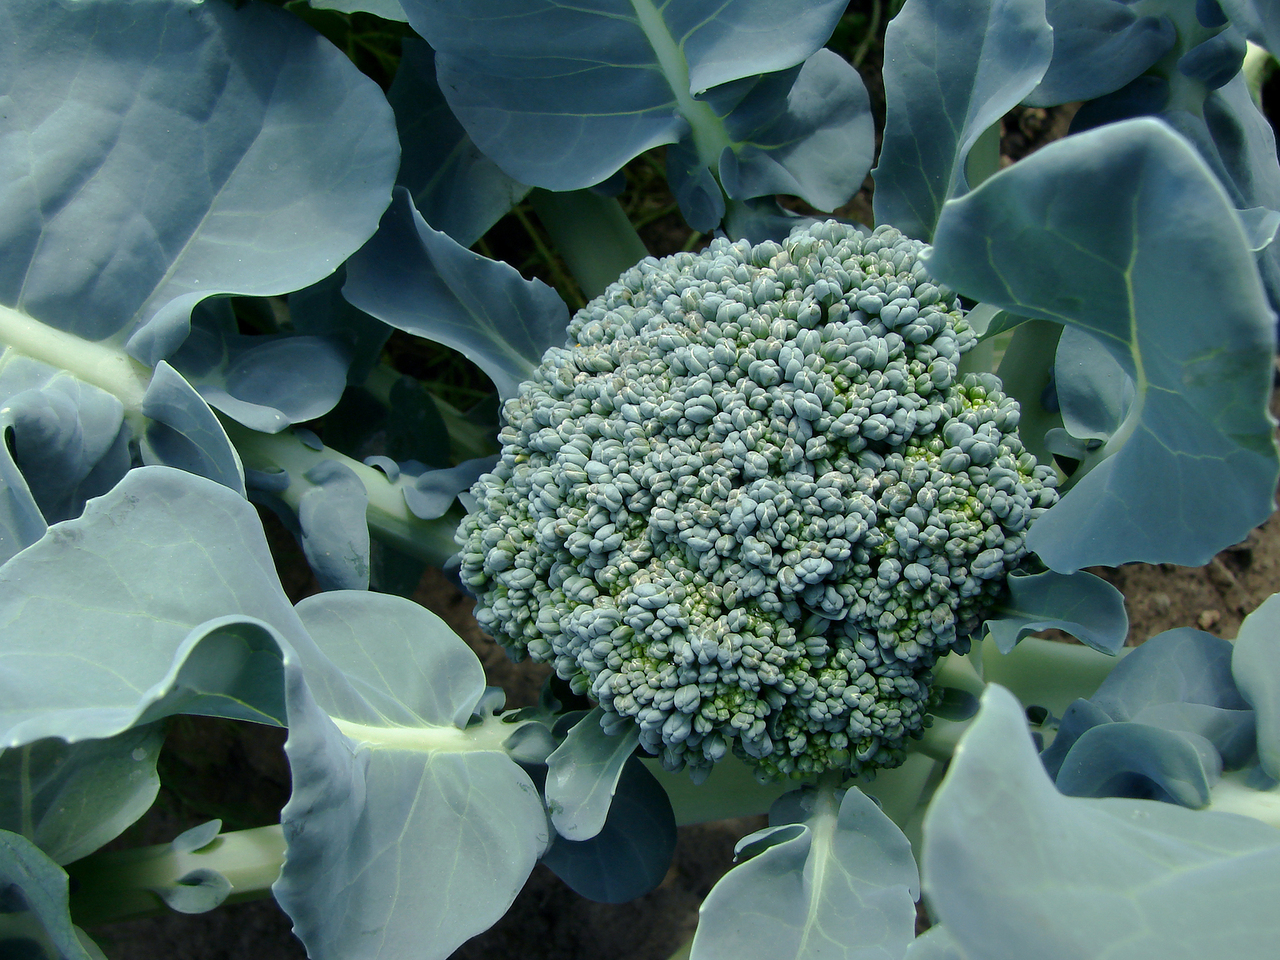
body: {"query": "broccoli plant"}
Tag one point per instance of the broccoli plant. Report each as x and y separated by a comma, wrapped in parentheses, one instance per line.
(782, 511)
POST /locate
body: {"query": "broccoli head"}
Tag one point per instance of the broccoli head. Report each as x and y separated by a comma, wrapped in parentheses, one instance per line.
(751, 502)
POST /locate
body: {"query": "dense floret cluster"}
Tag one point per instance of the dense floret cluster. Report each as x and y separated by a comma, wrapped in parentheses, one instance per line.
(752, 502)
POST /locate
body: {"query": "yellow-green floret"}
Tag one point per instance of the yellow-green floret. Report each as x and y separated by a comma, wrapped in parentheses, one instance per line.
(751, 502)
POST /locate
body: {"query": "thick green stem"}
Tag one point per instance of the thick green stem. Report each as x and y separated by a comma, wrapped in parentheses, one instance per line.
(984, 157)
(390, 518)
(730, 791)
(1047, 673)
(593, 235)
(122, 884)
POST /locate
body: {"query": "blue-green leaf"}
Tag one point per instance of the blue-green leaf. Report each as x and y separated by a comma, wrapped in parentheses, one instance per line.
(582, 774)
(183, 432)
(1255, 665)
(611, 79)
(71, 798)
(409, 831)
(1125, 233)
(841, 884)
(66, 441)
(631, 853)
(386, 9)
(1014, 869)
(1141, 761)
(827, 113)
(1093, 391)
(136, 593)
(1183, 665)
(1098, 47)
(34, 919)
(457, 189)
(1085, 606)
(951, 71)
(334, 533)
(162, 151)
(421, 280)
(936, 943)
(264, 382)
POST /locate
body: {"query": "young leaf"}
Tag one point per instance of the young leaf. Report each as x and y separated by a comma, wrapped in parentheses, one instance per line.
(34, 919)
(582, 775)
(840, 884)
(1087, 607)
(1255, 664)
(606, 81)
(65, 441)
(631, 853)
(951, 71)
(421, 280)
(1083, 232)
(457, 188)
(1098, 46)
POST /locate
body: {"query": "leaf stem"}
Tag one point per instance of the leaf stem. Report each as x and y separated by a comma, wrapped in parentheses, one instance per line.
(122, 884)
(389, 516)
(593, 235)
(104, 364)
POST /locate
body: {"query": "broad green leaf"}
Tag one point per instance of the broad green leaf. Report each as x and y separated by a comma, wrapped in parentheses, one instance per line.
(265, 382)
(1177, 666)
(1099, 46)
(458, 189)
(1140, 761)
(1085, 606)
(610, 79)
(826, 113)
(1092, 389)
(422, 281)
(163, 597)
(121, 615)
(183, 432)
(1255, 665)
(935, 944)
(1123, 232)
(34, 920)
(840, 884)
(387, 9)
(951, 71)
(409, 831)
(71, 798)
(162, 151)
(1162, 726)
(1014, 869)
(582, 774)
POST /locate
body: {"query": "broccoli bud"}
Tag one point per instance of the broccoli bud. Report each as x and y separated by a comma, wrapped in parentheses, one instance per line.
(751, 502)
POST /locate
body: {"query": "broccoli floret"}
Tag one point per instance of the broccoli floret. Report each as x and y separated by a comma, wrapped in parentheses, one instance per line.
(750, 503)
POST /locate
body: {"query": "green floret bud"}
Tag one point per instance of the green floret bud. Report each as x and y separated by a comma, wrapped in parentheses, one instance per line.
(751, 502)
